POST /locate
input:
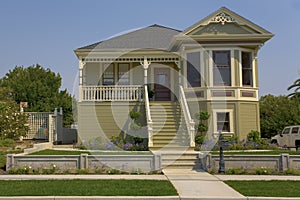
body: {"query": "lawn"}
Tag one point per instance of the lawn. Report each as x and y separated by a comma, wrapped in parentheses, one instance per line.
(274, 188)
(66, 152)
(86, 188)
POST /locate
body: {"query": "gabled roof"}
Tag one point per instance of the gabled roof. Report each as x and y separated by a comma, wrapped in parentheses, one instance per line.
(223, 25)
(151, 37)
(224, 15)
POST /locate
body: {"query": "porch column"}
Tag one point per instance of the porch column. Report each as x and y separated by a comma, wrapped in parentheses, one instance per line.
(80, 92)
(145, 65)
(179, 72)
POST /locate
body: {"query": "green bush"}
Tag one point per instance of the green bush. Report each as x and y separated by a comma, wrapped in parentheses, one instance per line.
(135, 115)
(7, 142)
(253, 136)
(290, 171)
(236, 171)
(199, 139)
(262, 171)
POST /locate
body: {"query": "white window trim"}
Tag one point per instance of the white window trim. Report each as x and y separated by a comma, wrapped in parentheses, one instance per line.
(241, 68)
(230, 111)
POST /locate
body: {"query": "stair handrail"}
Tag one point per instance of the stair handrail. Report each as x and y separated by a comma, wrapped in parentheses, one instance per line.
(148, 118)
(187, 116)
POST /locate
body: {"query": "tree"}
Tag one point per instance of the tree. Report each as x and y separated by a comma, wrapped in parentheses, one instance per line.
(295, 85)
(13, 123)
(40, 88)
(201, 126)
(278, 112)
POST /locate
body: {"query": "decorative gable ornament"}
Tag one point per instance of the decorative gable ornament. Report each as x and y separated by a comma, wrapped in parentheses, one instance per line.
(222, 17)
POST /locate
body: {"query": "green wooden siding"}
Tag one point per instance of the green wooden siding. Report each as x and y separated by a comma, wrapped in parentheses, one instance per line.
(248, 118)
(106, 119)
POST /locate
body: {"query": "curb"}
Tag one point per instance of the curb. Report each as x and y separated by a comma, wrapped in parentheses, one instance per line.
(140, 198)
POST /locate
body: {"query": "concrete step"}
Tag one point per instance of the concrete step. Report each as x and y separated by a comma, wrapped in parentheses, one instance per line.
(181, 160)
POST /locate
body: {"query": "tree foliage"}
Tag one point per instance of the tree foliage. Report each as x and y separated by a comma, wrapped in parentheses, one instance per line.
(296, 87)
(13, 123)
(278, 112)
(40, 88)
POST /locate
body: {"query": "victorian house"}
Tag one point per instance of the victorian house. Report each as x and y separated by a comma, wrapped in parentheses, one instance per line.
(168, 75)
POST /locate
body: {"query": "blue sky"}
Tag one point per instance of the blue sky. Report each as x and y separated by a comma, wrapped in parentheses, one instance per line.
(47, 32)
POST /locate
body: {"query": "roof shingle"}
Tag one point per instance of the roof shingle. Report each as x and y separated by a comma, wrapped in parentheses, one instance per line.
(151, 37)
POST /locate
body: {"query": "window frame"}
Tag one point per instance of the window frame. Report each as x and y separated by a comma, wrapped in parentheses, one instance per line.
(199, 70)
(215, 117)
(216, 67)
(251, 69)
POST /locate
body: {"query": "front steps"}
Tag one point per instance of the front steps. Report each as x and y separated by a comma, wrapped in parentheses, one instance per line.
(170, 138)
(181, 160)
(167, 128)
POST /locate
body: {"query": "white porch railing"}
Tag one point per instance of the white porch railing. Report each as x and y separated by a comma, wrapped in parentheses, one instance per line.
(187, 116)
(148, 118)
(110, 93)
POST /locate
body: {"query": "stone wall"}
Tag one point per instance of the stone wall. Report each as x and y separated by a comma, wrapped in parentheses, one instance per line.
(279, 162)
(127, 163)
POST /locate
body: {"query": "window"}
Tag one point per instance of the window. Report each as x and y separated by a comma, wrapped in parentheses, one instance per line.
(223, 121)
(193, 69)
(108, 75)
(247, 77)
(286, 131)
(295, 130)
(221, 68)
(123, 74)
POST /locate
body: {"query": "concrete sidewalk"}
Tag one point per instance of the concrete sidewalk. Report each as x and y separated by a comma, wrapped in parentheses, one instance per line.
(192, 184)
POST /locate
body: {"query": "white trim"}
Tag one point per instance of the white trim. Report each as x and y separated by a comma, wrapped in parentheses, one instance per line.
(232, 68)
(230, 111)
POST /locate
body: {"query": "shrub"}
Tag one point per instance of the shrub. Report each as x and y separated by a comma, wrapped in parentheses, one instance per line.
(290, 171)
(254, 136)
(262, 171)
(7, 142)
(236, 171)
(82, 171)
(199, 139)
(134, 115)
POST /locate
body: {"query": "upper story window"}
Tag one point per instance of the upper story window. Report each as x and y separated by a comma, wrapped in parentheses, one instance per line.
(247, 72)
(108, 75)
(221, 68)
(193, 69)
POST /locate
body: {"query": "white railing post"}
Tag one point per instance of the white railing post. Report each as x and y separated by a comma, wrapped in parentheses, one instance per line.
(187, 116)
(148, 117)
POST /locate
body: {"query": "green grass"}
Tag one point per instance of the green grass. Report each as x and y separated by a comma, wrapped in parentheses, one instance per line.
(272, 152)
(86, 188)
(66, 152)
(266, 188)
(58, 152)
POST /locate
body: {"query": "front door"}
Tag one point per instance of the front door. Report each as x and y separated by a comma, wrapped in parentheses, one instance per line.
(162, 84)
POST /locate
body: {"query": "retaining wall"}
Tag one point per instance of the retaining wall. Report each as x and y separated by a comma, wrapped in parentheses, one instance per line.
(129, 163)
(279, 162)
